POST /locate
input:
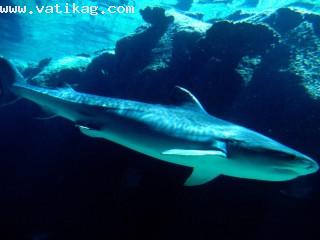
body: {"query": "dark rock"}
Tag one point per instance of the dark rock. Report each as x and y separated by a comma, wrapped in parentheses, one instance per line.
(59, 72)
(32, 70)
(214, 61)
(156, 17)
(284, 88)
(100, 71)
(247, 67)
(44, 62)
(284, 20)
(151, 53)
(315, 20)
(304, 57)
(238, 39)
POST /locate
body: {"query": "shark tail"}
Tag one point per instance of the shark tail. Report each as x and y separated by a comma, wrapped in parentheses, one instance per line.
(8, 76)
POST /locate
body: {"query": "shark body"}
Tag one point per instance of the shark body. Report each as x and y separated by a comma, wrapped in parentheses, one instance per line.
(183, 134)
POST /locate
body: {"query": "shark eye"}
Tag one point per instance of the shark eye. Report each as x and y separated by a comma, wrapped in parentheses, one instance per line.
(288, 156)
(292, 157)
(233, 141)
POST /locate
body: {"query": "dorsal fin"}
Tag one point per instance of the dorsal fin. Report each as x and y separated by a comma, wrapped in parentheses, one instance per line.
(183, 97)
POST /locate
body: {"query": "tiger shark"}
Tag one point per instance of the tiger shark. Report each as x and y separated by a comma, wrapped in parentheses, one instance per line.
(183, 133)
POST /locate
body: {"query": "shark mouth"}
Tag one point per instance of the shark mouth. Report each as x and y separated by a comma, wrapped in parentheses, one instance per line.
(286, 171)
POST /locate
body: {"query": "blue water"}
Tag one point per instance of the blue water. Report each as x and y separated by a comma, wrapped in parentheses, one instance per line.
(255, 63)
(63, 35)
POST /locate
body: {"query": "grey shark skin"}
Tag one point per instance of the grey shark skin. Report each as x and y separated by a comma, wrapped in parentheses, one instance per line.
(183, 134)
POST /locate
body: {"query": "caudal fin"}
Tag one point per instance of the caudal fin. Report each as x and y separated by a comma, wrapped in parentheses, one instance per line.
(8, 76)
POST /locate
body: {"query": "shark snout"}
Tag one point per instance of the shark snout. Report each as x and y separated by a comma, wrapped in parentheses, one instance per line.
(298, 165)
(311, 165)
(306, 165)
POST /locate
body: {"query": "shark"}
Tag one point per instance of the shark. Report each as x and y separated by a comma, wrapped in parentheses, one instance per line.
(183, 133)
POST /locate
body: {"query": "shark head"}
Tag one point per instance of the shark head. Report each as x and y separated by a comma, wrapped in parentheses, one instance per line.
(265, 159)
(224, 148)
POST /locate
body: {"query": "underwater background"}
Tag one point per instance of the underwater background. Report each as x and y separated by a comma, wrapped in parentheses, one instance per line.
(252, 62)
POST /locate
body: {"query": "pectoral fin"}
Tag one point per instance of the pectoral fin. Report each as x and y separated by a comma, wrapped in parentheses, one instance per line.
(91, 132)
(200, 176)
(186, 152)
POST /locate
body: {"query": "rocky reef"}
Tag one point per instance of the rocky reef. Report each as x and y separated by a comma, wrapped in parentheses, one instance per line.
(267, 64)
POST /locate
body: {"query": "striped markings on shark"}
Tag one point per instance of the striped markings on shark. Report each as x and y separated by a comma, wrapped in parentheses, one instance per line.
(183, 133)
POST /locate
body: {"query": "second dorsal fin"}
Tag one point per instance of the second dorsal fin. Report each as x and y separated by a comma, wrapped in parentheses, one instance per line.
(183, 97)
